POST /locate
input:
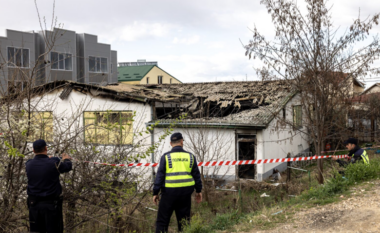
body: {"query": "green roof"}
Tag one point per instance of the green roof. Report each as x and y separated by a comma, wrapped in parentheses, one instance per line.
(133, 73)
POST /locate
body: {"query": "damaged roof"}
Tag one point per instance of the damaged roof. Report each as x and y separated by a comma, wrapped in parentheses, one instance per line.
(250, 103)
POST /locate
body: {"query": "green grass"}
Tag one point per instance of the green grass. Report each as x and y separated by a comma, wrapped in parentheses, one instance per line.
(222, 213)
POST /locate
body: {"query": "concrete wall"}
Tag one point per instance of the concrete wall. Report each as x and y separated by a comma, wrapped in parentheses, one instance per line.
(64, 42)
(16, 39)
(277, 140)
(216, 145)
(113, 71)
(95, 49)
(153, 77)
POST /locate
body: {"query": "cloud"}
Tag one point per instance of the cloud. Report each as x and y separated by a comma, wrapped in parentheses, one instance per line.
(187, 41)
(145, 30)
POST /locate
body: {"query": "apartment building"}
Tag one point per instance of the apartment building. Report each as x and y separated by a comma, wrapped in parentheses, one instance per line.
(47, 56)
(17, 57)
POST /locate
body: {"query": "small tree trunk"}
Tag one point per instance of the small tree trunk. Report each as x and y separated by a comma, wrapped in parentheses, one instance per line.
(205, 188)
(320, 165)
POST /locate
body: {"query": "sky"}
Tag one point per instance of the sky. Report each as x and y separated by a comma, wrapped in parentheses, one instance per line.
(195, 41)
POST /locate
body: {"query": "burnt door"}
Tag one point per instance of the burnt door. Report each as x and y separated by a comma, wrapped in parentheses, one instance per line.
(246, 151)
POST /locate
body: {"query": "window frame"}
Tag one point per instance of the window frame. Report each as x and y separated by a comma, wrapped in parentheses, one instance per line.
(297, 119)
(96, 58)
(14, 57)
(32, 138)
(120, 128)
(23, 85)
(147, 80)
(64, 54)
(158, 79)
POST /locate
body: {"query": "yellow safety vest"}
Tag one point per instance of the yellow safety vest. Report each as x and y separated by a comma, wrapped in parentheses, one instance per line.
(178, 170)
(365, 157)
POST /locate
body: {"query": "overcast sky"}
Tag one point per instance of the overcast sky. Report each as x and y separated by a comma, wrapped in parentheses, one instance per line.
(195, 41)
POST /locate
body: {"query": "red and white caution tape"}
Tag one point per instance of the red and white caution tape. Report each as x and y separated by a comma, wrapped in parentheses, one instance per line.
(227, 163)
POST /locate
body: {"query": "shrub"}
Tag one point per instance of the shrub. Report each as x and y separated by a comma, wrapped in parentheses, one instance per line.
(361, 172)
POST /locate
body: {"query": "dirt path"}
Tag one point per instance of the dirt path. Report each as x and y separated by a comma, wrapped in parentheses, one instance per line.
(359, 213)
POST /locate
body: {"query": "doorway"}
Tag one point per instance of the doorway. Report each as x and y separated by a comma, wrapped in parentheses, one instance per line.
(246, 145)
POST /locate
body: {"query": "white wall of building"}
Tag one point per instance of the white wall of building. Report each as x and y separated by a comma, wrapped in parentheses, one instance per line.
(70, 111)
(276, 141)
(218, 144)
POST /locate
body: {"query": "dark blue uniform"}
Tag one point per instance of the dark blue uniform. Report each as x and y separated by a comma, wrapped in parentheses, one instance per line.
(174, 199)
(44, 189)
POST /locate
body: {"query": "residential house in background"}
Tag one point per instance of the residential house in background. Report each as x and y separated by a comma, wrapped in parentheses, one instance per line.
(375, 88)
(143, 72)
(56, 55)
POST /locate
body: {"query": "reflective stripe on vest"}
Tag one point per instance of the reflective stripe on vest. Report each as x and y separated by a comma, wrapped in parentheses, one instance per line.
(178, 170)
(365, 157)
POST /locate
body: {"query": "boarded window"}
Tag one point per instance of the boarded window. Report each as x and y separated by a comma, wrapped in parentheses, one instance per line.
(297, 116)
(41, 126)
(109, 127)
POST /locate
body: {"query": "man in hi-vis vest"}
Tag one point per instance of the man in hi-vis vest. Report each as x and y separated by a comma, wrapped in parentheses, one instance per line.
(177, 177)
(355, 153)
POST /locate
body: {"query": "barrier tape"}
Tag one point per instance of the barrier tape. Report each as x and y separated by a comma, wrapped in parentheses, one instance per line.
(228, 163)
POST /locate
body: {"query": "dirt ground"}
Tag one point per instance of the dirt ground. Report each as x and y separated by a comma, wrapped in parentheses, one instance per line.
(358, 213)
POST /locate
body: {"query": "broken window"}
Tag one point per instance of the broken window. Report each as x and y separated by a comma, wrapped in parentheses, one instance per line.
(109, 127)
(41, 126)
(297, 116)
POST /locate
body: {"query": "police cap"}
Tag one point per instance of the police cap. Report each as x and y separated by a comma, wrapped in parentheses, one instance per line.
(175, 137)
(39, 144)
(351, 141)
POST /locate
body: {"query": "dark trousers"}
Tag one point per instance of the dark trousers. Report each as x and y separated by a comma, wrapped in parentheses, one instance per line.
(45, 216)
(342, 163)
(180, 204)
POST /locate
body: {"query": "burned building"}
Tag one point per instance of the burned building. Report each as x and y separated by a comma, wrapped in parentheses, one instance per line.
(220, 121)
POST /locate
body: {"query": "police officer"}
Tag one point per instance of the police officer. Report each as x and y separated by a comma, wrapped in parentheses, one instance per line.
(355, 153)
(44, 189)
(177, 177)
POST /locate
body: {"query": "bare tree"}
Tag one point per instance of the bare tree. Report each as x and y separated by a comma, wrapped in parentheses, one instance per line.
(318, 60)
(209, 145)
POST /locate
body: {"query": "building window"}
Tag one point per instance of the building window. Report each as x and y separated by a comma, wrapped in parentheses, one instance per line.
(61, 61)
(16, 86)
(159, 79)
(297, 116)
(147, 80)
(109, 127)
(98, 64)
(171, 81)
(18, 57)
(41, 126)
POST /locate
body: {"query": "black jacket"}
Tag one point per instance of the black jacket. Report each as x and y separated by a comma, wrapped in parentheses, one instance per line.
(159, 183)
(43, 175)
(355, 154)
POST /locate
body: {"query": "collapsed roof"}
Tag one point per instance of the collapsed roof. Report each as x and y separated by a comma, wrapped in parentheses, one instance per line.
(252, 103)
